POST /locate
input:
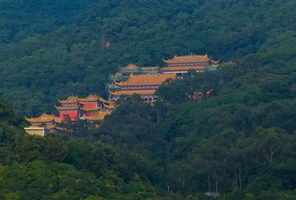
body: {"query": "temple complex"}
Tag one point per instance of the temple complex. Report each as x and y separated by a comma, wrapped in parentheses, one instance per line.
(128, 81)
(184, 64)
(143, 85)
(91, 109)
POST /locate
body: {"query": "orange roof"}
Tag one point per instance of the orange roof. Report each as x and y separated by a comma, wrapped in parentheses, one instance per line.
(98, 116)
(188, 59)
(185, 68)
(132, 92)
(70, 99)
(147, 79)
(41, 119)
(91, 98)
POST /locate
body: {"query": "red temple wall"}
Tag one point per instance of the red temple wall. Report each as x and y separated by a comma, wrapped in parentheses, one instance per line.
(72, 114)
(89, 105)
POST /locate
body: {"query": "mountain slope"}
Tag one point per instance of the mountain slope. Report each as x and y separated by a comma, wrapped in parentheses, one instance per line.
(70, 58)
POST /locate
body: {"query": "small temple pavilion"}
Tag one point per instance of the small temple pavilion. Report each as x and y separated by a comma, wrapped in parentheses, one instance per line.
(69, 109)
(42, 125)
(44, 120)
(184, 64)
(143, 85)
(91, 102)
(95, 109)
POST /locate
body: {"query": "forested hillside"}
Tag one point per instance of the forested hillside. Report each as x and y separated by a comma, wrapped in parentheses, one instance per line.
(238, 143)
(56, 168)
(51, 49)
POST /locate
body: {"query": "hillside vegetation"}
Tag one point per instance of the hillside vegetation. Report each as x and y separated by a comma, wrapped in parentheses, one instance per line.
(51, 49)
(239, 143)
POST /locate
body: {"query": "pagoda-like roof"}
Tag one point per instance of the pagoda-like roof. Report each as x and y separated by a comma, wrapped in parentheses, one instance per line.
(133, 92)
(97, 116)
(147, 79)
(70, 107)
(91, 98)
(69, 100)
(188, 59)
(44, 118)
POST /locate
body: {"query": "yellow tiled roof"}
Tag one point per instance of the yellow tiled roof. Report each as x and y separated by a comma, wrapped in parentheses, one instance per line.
(188, 59)
(98, 116)
(147, 79)
(70, 99)
(91, 98)
(42, 118)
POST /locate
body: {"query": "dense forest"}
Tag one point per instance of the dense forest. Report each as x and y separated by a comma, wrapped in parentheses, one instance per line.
(50, 49)
(239, 143)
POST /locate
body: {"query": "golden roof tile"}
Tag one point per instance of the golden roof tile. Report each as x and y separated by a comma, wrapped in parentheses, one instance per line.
(188, 59)
(147, 79)
(98, 116)
(41, 119)
(91, 98)
(70, 99)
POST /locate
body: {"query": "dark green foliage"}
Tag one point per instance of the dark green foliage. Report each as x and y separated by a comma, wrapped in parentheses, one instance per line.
(51, 49)
(239, 141)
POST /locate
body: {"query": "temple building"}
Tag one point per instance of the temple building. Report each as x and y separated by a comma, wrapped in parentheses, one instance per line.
(95, 118)
(95, 109)
(45, 120)
(90, 108)
(42, 125)
(184, 64)
(69, 109)
(91, 102)
(143, 85)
